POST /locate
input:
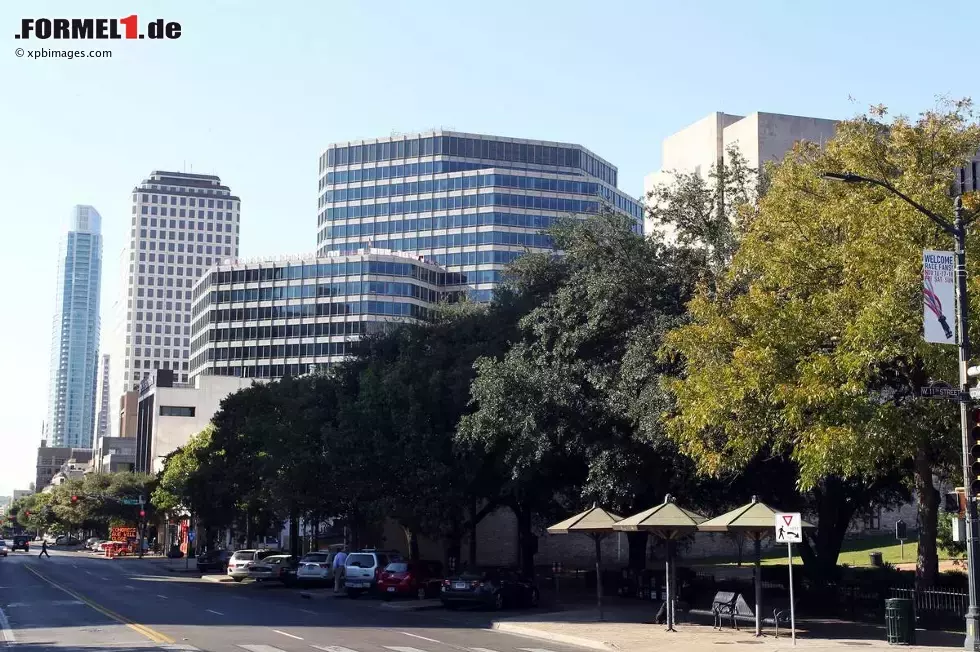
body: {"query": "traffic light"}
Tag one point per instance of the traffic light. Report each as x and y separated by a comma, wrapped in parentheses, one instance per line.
(27, 514)
(142, 513)
(975, 453)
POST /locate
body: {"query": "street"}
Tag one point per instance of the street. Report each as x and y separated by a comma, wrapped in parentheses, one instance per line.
(74, 602)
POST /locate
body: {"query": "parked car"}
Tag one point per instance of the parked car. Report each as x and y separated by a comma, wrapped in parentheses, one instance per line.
(240, 561)
(275, 567)
(362, 570)
(101, 545)
(315, 568)
(214, 560)
(66, 540)
(90, 542)
(493, 587)
(419, 579)
(3, 548)
(21, 542)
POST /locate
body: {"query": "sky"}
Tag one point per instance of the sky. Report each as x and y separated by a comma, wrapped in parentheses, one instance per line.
(253, 91)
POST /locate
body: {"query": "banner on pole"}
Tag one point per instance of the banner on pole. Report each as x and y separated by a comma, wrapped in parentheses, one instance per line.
(938, 297)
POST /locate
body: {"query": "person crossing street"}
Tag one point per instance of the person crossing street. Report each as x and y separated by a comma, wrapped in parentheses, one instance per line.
(44, 549)
(339, 570)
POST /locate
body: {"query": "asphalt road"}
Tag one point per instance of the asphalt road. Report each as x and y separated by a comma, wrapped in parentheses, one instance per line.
(73, 602)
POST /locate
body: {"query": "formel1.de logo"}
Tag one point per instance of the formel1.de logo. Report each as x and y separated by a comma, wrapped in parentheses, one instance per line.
(97, 28)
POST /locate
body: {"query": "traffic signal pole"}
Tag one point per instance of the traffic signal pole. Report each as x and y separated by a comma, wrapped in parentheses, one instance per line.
(972, 534)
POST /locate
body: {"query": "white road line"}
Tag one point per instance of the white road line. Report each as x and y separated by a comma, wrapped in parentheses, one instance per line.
(307, 611)
(180, 647)
(131, 588)
(481, 649)
(162, 597)
(105, 579)
(279, 631)
(8, 634)
(532, 649)
(332, 648)
(402, 649)
(261, 648)
(217, 613)
(89, 573)
(430, 640)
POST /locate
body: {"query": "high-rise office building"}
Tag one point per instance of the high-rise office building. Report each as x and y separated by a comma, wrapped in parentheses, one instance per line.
(181, 225)
(760, 138)
(470, 203)
(75, 332)
(102, 421)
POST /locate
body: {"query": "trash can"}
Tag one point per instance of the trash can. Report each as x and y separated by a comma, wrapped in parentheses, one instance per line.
(900, 621)
(876, 559)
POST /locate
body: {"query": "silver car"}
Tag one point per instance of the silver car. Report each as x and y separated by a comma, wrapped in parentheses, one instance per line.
(240, 562)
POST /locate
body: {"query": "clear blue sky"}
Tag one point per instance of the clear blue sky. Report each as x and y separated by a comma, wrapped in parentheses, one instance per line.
(253, 91)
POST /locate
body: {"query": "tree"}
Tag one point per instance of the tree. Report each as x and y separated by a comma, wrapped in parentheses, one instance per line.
(812, 345)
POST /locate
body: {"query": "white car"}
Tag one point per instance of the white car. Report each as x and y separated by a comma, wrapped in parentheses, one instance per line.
(240, 562)
(362, 568)
(4, 548)
(316, 567)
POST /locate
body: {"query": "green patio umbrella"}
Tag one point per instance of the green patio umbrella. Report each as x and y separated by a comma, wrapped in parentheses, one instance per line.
(755, 520)
(598, 524)
(670, 522)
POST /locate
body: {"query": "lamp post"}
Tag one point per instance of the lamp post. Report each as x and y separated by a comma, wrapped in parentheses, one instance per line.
(957, 229)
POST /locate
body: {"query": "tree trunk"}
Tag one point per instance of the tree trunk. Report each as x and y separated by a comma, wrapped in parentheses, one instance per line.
(927, 565)
(412, 539)
(527, 543)
(294, 541)
(637, 543)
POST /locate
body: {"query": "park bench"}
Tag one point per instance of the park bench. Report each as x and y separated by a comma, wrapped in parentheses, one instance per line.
(725, 603)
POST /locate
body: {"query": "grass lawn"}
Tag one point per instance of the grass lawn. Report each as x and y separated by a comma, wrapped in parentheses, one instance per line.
(854, 552)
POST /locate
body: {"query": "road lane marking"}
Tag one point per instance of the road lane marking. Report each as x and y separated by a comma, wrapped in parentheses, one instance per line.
(402, 649)
(217, 613)
(149, 633)
(263, 648)
(89, 573)
(307, 611)
(162, 597)
(481, 649)
(279, 631)
(533, 649)
(430, 640)
(8, 634)
(332, 648)
(131, 588)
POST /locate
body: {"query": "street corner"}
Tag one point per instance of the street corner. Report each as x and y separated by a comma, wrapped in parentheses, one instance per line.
(522, 628)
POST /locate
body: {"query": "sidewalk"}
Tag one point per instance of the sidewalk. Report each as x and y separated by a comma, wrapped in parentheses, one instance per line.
(631, 629)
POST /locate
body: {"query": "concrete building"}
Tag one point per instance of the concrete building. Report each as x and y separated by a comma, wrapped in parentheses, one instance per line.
(169, 413)
(269, 318)
(50, 461)
(114, 455)
(75, 332)
(128, 405)
(22, 493)
(72, 469)
(760, 137)
(102, 420)
(181, 225)
(468, 202)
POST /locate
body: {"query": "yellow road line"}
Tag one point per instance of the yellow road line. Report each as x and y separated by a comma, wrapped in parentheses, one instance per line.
(151, 634)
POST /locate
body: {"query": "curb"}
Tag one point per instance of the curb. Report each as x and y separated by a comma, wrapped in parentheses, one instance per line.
(319, 595)
(417, 605)
(530, 632)
(219, 579)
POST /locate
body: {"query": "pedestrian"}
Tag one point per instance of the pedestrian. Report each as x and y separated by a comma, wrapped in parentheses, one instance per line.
(44, 549)
(339, 570)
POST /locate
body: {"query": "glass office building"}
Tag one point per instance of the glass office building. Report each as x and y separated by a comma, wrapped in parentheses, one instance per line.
(269, 318)
(75, 333)
(471, 203)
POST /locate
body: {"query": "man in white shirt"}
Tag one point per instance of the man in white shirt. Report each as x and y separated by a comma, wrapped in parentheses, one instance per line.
(339, 565)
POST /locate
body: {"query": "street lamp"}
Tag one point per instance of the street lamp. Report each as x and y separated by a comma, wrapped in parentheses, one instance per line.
(957, 229)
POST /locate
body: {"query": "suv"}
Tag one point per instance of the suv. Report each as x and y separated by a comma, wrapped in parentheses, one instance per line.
(214, 560)
(239, 562)
(362, 569)
(21, 542)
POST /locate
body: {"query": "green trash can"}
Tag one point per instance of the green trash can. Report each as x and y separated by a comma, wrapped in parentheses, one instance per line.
(900, 621)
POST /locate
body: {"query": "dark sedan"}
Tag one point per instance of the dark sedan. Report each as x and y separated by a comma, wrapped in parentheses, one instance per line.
(493, 587)
(214, 560)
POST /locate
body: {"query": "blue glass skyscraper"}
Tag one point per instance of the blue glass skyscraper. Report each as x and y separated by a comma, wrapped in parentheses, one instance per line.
(469, 202)
(75, 333)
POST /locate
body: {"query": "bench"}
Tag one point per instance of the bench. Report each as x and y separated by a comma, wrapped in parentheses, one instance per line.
(725, 603)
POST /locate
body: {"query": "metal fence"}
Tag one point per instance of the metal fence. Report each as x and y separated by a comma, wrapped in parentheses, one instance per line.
(941, 600)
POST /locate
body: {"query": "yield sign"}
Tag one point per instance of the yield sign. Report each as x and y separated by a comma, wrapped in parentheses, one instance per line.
(789, 528)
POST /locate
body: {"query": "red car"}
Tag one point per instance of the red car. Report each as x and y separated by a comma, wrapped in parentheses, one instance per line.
(419, 579)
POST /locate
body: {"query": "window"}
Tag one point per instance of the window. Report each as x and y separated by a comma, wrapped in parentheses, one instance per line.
(176, 411)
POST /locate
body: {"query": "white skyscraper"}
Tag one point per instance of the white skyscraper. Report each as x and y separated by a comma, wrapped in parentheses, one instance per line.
(102, 420)
(181, 225)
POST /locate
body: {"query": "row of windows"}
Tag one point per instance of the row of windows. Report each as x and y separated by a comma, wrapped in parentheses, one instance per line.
(480, 148)
(273, 351)
(211, 250)
(461, 183)
(177, 411)
(181, 223)
(461, 258)
(183, 212)
(340, 288)
(251, 333)
(385, 308)
(326, 270)
(410, 170)
(519, 239)
(422, 224)
(162, 223)
(262, 371)
(560, 204)
(162, 199)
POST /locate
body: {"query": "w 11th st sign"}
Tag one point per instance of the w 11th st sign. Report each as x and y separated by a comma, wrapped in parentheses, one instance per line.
(940, 390)
(938, 292)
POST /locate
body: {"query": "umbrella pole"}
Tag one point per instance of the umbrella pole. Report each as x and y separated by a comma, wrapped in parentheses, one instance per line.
(598, 573)
(670, 585)
(758, 583)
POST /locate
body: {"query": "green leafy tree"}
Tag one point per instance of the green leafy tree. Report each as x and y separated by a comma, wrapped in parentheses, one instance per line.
(812, 345)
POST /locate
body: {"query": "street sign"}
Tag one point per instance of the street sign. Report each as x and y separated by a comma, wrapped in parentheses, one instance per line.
(789, 528)
(129, 501)
(940, 390)
(190, 536)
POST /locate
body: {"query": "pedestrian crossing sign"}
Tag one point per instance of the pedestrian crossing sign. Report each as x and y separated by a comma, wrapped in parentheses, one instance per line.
(789, 528)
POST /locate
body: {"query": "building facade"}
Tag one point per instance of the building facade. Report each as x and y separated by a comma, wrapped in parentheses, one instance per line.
(760, 138)
(114, 454)
(75, 332)
(470, 203)
(181, 225)
(169, 413)
(51, 459)
(102, 420)
(266, 319)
